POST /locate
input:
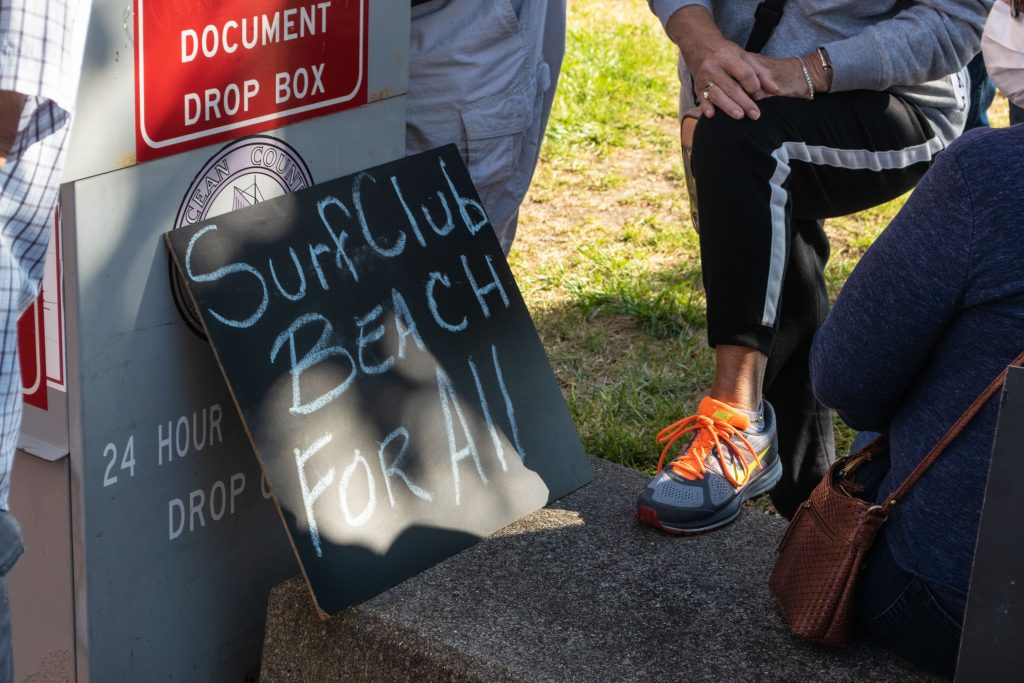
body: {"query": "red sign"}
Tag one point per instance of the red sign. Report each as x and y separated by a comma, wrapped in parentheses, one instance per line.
(214, 70)
(32, 354)
(41, 331)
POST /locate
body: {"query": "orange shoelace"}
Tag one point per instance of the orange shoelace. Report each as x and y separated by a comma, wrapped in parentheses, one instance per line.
(710, 433)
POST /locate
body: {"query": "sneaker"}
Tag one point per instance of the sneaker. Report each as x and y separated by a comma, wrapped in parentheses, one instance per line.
(721, 464)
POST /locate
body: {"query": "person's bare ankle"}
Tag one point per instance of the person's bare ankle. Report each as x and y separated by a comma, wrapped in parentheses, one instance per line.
(739, 372)
(750, 406)
(744, 400)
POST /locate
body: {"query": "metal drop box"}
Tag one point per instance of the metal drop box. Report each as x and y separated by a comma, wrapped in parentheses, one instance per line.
(151, 539)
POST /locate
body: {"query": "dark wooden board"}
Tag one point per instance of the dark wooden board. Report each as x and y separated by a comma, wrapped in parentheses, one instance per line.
(990, 647)
(386, 369)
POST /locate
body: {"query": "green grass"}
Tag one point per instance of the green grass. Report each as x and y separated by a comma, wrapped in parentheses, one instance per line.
(613, 82)
(606, 257)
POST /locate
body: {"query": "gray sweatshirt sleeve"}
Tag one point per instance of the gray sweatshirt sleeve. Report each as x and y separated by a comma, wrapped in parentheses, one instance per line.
(664, 9)
(923, 42)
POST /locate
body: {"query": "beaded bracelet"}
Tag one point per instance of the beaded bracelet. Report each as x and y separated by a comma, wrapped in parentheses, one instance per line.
(807, 77)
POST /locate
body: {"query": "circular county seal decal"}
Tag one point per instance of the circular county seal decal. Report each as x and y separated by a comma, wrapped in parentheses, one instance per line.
(245, 172)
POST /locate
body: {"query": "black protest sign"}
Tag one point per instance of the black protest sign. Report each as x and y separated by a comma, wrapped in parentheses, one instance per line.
(385, 367)
(994, 620)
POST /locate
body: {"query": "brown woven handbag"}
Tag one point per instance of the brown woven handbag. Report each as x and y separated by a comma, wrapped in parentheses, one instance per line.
(823, 550)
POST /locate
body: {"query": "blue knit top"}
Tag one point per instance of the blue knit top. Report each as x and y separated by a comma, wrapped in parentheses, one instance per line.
(930, 315)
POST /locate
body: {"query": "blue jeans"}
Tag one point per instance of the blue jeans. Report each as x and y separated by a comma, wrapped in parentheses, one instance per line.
(10, 550)
(983, 91)
(898, 608)
(6, 655)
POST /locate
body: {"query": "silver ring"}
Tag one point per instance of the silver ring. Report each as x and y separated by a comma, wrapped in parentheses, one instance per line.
(706, 93)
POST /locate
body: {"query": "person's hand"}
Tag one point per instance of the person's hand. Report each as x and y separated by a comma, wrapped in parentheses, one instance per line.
(789, 77)
(729, 75)
(732, 78)
(10, 115)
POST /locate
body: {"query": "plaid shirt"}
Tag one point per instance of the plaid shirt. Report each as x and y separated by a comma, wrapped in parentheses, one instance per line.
(41, 44)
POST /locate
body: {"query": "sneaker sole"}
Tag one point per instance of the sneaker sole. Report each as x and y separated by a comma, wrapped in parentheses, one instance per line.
(648, 515)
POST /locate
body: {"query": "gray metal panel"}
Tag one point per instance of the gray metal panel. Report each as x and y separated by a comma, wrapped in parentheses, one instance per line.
(67, 203)
(103, 133)
(169, 581)
(389, 58)
(40, 585)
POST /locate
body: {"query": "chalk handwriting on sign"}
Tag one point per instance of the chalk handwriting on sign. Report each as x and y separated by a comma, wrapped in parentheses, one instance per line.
(206, 72)
(386, 369)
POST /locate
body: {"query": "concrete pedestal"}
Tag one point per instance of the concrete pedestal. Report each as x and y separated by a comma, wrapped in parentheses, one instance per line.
(577, 591)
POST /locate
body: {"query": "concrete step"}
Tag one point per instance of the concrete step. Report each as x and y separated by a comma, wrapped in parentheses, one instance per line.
(577, 591)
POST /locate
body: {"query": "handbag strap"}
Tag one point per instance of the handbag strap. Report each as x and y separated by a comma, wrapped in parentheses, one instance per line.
(951, 434)
(766, 18)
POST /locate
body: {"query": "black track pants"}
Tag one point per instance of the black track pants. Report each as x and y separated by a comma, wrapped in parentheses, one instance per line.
(764, 188)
